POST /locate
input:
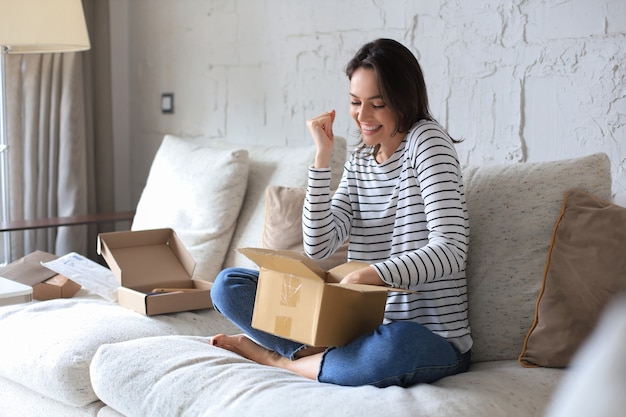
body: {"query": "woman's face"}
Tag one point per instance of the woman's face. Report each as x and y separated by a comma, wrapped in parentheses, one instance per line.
(376, 120)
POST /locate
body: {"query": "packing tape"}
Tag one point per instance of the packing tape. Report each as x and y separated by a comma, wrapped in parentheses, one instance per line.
(290, 292)
(282, 326)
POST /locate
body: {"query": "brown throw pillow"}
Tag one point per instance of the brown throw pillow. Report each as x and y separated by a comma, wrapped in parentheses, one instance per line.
(282, 229)
(586, 268)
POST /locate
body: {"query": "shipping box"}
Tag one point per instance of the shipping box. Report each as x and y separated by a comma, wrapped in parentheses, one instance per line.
(155, 271)
(46, 283)
(298, 300)
(12, 292)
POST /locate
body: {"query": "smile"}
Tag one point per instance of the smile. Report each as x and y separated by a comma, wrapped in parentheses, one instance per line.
(370, 128)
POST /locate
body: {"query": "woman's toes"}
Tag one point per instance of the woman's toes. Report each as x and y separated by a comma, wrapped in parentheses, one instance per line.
(215, 340)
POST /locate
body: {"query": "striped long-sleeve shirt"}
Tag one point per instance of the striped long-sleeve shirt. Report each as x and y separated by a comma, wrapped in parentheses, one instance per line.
(408, 218)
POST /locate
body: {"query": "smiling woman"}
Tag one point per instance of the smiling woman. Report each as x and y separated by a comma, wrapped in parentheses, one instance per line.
(402, 207)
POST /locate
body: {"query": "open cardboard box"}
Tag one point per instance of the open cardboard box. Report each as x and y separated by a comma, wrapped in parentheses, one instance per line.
(47, 284)
(298, 300)
(148, 260)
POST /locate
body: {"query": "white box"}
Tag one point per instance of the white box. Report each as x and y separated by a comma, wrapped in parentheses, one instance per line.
(12, 292)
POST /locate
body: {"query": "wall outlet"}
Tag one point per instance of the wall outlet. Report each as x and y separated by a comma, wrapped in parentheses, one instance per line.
(167, 103)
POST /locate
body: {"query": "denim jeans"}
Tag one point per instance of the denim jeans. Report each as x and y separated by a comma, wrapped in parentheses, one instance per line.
(400, 353)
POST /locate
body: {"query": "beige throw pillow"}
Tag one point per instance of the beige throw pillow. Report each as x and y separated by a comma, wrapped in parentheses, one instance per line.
(282, 227)
(586, 268)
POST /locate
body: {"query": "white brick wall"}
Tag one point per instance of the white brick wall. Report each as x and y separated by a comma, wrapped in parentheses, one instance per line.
(523, 80)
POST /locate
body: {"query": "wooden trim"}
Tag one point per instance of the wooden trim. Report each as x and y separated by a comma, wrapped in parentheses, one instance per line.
(17, 225)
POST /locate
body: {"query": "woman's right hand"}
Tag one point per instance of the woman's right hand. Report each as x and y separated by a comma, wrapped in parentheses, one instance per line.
(321, 128)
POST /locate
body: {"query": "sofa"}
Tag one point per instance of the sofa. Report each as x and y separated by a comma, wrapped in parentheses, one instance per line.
(89, 356)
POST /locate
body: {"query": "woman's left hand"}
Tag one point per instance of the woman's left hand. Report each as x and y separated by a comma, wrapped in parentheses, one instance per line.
(366, 275)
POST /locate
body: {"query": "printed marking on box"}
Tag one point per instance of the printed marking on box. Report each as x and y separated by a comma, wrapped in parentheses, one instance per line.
(282, 325)
(290, 293)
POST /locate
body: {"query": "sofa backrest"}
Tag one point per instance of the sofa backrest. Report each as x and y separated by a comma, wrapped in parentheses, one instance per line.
(513, 210)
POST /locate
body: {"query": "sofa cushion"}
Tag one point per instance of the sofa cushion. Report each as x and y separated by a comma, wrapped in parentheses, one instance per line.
(512, 210)
(21, 401)
(586, 268)
(189, 377)
(48, 346)
(197, 189)
(278, 165)
(282, 225)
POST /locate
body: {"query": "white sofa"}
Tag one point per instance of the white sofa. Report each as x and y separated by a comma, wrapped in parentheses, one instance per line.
(88, 356)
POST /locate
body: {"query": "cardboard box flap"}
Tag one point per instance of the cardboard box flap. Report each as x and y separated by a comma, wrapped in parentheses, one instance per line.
(287, 262)
(363, 288)
(156, 255)
(28, 270)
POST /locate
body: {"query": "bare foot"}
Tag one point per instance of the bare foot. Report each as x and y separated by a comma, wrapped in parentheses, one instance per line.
(306, 363)
(243, 346)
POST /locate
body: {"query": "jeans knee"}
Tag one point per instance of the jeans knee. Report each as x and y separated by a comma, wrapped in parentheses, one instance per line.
(400, 353)
(230, 286)
(220, 289)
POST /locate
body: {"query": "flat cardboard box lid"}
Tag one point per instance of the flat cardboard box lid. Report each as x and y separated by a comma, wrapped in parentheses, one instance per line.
(155, 256)
(28, 270)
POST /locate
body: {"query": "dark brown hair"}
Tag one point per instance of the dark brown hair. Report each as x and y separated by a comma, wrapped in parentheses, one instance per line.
(400, 80)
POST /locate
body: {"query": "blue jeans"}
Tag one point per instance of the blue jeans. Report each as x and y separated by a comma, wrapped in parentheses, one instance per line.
(400, 353)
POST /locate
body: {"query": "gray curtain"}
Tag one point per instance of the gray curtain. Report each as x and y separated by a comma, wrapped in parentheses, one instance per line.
(60, 140)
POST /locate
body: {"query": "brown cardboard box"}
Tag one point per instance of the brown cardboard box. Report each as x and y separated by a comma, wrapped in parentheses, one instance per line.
(146, 260)
(46, 283)
(298, 300)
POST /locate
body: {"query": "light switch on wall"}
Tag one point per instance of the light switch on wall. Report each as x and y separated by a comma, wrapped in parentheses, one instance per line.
(167, 103)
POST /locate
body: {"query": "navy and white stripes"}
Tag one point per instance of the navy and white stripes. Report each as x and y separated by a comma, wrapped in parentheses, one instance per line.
(408, 218)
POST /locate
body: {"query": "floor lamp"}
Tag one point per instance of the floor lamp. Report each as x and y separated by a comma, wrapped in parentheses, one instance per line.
(27, 27)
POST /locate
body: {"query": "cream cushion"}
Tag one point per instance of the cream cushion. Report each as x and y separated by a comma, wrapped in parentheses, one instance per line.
(512, 211)
(19, 401)
(197, 379)
(197, 190)
(72, 330)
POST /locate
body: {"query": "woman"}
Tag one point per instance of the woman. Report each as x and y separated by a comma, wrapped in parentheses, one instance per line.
(401, 204)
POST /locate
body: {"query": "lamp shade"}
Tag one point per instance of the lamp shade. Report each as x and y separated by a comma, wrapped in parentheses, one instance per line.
(40, 26)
